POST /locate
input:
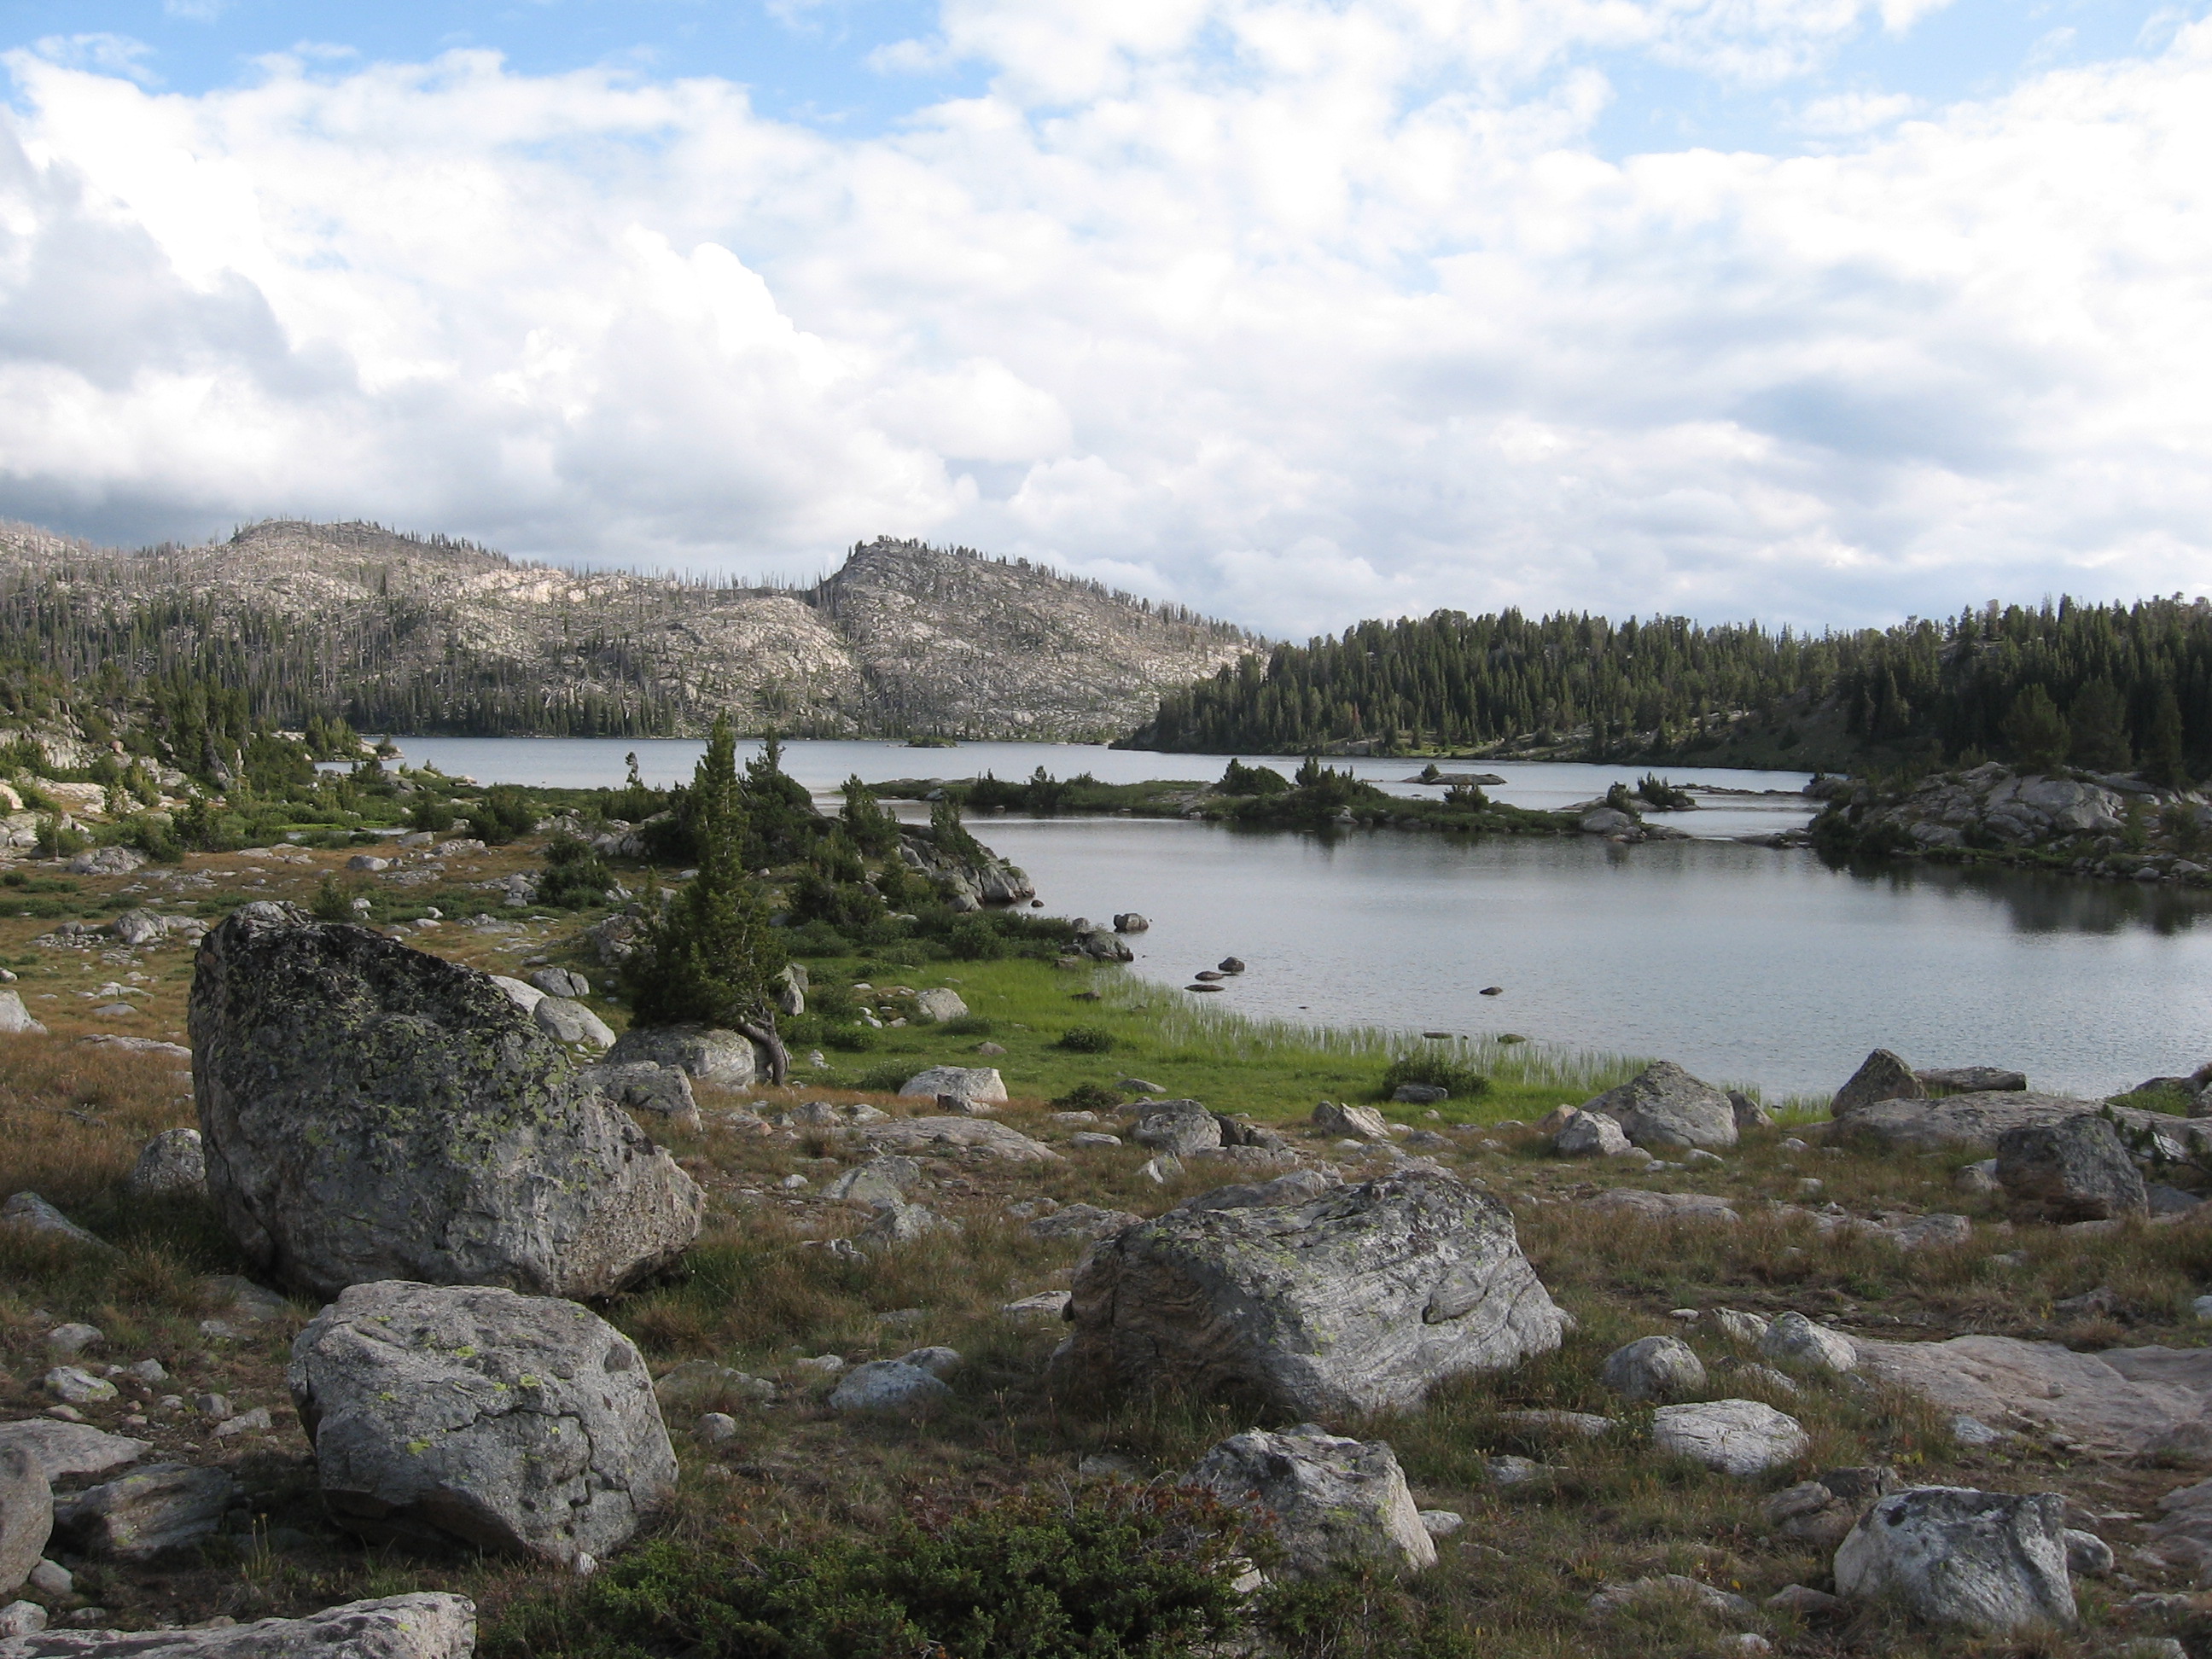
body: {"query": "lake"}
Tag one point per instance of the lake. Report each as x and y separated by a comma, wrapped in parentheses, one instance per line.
(1745, 964)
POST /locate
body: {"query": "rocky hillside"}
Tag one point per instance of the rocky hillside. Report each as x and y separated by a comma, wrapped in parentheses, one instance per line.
(409, 634)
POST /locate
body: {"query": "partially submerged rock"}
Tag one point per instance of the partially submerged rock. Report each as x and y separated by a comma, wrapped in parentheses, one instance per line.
(1360, 1299)
(1332, 1501)
(1993, 1563)
(1663, 1107)
(370, 1112)
(519, 1424)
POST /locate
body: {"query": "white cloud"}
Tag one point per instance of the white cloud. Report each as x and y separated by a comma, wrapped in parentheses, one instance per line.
(1297, 313)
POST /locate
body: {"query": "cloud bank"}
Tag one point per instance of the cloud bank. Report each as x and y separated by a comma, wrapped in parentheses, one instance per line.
(1295, 311)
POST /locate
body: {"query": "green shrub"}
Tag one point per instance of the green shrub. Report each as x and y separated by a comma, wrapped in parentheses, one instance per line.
(1120, 1572)
(431, 816)
(973, 939)
(2167, 1097)
(887, 1078)
(1089, 1097)
(504, 813)
(851, 1040)
(1460, 1082)
(58, 838)
(575, 876)
(977, 1026)
(1085, 1040)
(333, 901)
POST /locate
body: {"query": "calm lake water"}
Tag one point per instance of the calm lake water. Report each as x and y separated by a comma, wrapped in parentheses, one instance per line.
(1743, 964)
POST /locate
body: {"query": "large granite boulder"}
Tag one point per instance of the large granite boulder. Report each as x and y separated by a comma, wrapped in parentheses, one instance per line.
(519, 1424)
(1176, 1128)
(1359, 1299)
(1741, 1438)
(428, 1625)
(64, 1449)
(1331, 1501)
(725, 1059)
(370, 1112)
(981, 1083)
(26, 1516)
(1881, 1076)
(1994, 1563)
(1663, 1107)
(2073, 1170)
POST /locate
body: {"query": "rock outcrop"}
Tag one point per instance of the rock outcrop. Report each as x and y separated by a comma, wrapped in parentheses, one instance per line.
(519, 1424)
(1989, 1562)
(425, 1625)
(1357, 1300)
(1331, 1501)
(1664, 1108)
(370, 1112)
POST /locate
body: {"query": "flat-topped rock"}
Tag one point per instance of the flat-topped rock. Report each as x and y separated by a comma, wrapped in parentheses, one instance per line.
(958, 1134)
(64, 1449)
(2126, 1402)
(1975, 1122)
(428, 1624)
(981, 1083)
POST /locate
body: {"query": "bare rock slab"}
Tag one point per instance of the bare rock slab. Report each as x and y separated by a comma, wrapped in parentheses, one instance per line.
(1662, 1108)
(520, 1424)
(1994, 1563)
(1741, 1438)
(1357, 1300)
(1332, 1500)
(938, 1136)
(370, 1112)
(425, 1625)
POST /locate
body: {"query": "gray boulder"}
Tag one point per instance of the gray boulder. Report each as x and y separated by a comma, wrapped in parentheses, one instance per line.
(26, 1516)
(14, 1018)
(370, 1112)
(939, 1137)
(881, 1183)
(1129, 921)
(1086, 1222)
(1590, 1135)
(643, 1086)
(62, 1449)
(1881, 1076)
(1663, 1107)
(1357, 1300)
(565, 1021)
(1741, 1438)
(1992, 1563)
(2074, 1169)
(1653, 1368)
(561, 982)
(1973, 1079)
(1419, 1094)
(1358, 1122)
(1177, 1127)
(158, 1510)
(1331, 1501)
(171, 1163)
(940, 1004)
(961, 1082)
(424, 1625)
(1796, 1344)
(28, 1212)
(1821, 1513)
(519, 1424)
(724, 1059)
(888, 1385)
(1296, 1188)
(1749, 1113)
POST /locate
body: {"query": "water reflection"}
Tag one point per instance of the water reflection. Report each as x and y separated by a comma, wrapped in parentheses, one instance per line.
(2040, 902)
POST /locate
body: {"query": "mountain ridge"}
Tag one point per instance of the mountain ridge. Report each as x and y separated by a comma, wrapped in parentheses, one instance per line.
(399, 632)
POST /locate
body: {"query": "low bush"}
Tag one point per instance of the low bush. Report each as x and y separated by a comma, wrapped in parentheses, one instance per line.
(976, 1026)
(1121, 1572)
(1435, 1071)
(1089, 1097)
(504, 813)
(975, 940)
(574, 876)
(1085, 1040)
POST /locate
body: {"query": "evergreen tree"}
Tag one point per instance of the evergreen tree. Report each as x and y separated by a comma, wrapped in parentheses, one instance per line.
(709, 956)
(873, 830)
(2038, 736)
(2099, 720)
(2164, 755)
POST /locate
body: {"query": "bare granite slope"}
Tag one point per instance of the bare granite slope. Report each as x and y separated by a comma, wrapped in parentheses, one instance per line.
(409, 633)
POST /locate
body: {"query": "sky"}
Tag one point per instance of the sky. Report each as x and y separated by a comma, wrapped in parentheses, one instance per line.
(1819, 312)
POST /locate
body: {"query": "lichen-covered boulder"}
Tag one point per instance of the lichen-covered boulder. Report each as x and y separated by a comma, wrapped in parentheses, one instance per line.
(1359, 1299)
(1989, 1562)
(369, 1112)
(1331, 1501)
(520, 1424)
(171, 1163)
(1663, 1108)
(2074, 1169)
(1176, 1128)
(1881, 1076)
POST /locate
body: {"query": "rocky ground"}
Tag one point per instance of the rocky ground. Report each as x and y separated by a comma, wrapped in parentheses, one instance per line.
(1761, 1340)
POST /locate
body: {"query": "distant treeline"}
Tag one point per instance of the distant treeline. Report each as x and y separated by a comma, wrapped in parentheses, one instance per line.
(2131, 682)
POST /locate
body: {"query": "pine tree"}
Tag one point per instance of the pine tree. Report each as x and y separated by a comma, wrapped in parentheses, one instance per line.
(2164, 761)
(2033, 729)
(709, 956)
(2099, 719)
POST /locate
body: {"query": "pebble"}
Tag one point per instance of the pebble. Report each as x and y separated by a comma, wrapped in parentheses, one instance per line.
(219, 1330)
(1792, 1144)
